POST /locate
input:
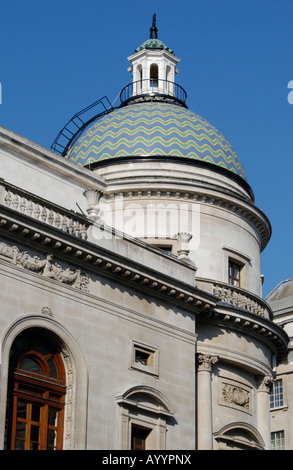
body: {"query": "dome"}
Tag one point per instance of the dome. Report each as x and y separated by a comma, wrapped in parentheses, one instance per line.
(154, 44)
(153, 129)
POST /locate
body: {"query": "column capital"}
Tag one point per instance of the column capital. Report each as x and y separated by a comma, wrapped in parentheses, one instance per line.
(265, 383)
(206, 361)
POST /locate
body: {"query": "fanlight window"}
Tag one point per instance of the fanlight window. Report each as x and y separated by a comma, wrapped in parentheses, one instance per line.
(36, 396)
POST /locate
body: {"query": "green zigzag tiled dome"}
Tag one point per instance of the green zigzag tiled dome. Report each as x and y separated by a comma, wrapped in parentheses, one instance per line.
(154, 130)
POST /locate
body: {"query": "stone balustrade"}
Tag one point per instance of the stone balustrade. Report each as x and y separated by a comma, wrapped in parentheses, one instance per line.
(236, 296)
(38, 208)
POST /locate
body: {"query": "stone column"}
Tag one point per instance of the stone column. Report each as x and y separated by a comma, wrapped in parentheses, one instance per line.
(263, 408)
(204, 401)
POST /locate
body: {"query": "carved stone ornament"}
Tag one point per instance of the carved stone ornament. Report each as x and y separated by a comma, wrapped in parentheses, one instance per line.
(93, 197)
(236, 395)
(183, 244)
(265, 383)
(45, 267)
(206, 361)
(47, 311)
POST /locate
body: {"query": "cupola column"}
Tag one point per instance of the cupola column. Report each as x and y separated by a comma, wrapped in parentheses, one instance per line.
(204, 401)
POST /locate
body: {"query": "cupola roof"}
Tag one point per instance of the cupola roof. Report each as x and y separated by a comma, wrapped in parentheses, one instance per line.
(152, 121)
(154, 129)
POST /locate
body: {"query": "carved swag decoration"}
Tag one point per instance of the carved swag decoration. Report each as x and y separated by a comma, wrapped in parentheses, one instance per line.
(45, 267)
(236, 395)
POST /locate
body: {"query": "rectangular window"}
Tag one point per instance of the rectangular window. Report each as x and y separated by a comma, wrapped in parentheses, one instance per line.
(144, 358)
(138, 437)
(278, 440)
(276, 395)
(234, 273)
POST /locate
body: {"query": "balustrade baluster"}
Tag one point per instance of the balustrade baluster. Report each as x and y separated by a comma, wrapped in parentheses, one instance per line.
(8, 198)
(51, 217)
(44, 214)
(22, 204)
(57, 220)
(37, 211)
(29, 208)
(15, 202)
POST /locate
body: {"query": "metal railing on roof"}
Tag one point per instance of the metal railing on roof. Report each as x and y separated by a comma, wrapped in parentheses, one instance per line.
(153, 87)
(70, 132)
(150, 88)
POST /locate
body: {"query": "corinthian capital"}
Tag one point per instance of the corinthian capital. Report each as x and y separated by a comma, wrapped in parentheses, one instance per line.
(265, 383)
(206, 361)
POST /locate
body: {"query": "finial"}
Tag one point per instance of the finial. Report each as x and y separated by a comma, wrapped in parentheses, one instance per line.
(154, 29)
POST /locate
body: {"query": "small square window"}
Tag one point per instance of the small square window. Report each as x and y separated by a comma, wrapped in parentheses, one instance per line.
(144, 358)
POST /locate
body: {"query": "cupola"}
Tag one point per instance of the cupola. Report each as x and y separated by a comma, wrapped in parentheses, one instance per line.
(153, 68)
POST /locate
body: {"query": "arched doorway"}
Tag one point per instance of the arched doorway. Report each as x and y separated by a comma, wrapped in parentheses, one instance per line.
(36, 393)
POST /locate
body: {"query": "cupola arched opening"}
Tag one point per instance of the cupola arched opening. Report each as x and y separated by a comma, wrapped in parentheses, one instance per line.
(154, 75)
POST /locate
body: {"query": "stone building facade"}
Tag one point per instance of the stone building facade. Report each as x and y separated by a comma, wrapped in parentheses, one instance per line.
(132, 314)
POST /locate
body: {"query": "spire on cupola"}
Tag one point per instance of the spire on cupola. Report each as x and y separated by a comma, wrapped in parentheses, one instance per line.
(153, 29)
(153, 68)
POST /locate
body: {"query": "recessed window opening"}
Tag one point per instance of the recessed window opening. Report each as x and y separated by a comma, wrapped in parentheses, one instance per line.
(139, 76)
(36, 394)
(276, 395)
(143, 357)
(139, 435)
(154, 75)
(234, 273)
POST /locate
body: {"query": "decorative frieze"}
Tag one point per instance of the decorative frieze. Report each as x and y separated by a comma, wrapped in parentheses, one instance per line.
(44, 266)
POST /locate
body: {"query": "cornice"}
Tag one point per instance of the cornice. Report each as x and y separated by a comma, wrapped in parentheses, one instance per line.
(240, 207)
(44, 238)
(48, 159)
(226, 315)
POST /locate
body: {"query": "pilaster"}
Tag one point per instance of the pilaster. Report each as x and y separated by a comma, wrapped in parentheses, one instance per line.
(204, 401)
(263, 408)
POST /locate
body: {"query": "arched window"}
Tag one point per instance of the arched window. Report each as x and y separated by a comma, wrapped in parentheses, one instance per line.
(154, 75)
(36, 395)
(144, 416)
(239, 436)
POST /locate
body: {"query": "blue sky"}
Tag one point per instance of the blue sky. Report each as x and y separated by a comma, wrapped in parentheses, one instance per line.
(58, 56)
